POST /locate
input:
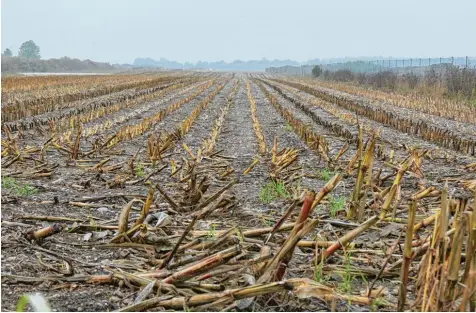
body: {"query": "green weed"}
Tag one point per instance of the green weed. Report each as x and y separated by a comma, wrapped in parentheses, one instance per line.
(347, 278)
(325, 174)
(212, 233)
(337, 205)
(266, 221)
(140, 170)
(8, 182)
(288, 128)
(17, 187)
(377, 303)
(92, 223)
(272, 191)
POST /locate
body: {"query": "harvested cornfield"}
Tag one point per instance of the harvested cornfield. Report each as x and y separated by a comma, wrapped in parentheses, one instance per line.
(233, 192)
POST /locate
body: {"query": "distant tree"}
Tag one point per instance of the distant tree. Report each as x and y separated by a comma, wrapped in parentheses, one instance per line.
(7, 52)
(316, 71)
(29, 50)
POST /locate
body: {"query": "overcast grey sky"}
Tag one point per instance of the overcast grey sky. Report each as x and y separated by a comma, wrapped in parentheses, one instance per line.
(212, 30)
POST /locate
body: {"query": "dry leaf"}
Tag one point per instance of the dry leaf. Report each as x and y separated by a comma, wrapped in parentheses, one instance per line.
(376, 292)
(305, 288)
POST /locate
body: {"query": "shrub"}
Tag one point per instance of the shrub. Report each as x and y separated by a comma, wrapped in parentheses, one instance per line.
(343, 75)
(431, 77)
(316, 71)
(460, 81)
(411, 79)
(386, 79)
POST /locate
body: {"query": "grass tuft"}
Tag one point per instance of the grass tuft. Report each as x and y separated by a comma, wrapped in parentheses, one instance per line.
(337, 205)
(18, 188)
(140, 170)
(325, 174)
(272, 191)
(347, 277)
(212, 233)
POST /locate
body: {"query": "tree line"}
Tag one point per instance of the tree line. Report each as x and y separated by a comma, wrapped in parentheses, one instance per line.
(28, 50)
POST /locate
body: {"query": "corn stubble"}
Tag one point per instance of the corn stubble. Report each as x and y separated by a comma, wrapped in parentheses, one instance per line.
(220, 265)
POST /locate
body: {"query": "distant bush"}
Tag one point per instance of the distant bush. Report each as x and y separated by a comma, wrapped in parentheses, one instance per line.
(453, 80)
(316, 71)
(460, 81)
(327, 75)
(385, 79)
(411, 79)
(431, 77)
(341, 75)
(362, 78)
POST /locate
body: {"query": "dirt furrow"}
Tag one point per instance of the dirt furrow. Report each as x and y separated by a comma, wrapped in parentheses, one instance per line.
(238, 141)
(335, 143)
(204, 124)
(275, 125)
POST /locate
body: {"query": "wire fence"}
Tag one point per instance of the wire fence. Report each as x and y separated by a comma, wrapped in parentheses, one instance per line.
(400, 66)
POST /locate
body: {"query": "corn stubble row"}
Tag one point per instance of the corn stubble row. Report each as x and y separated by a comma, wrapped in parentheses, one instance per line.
(307, 104)
(256, 124)
(430, 132)
(315, 141)
(64, 142)
(208, 145)
(333, 125)
(129, 132)
(434, 105)
(92, 116)
(59, 99)
(21, 84)
(86, 106)
(310, 103)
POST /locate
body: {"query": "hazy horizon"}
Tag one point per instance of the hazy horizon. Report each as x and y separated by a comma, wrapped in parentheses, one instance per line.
(211, 30)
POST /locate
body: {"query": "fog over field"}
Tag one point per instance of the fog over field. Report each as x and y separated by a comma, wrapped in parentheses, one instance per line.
(118, 31)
